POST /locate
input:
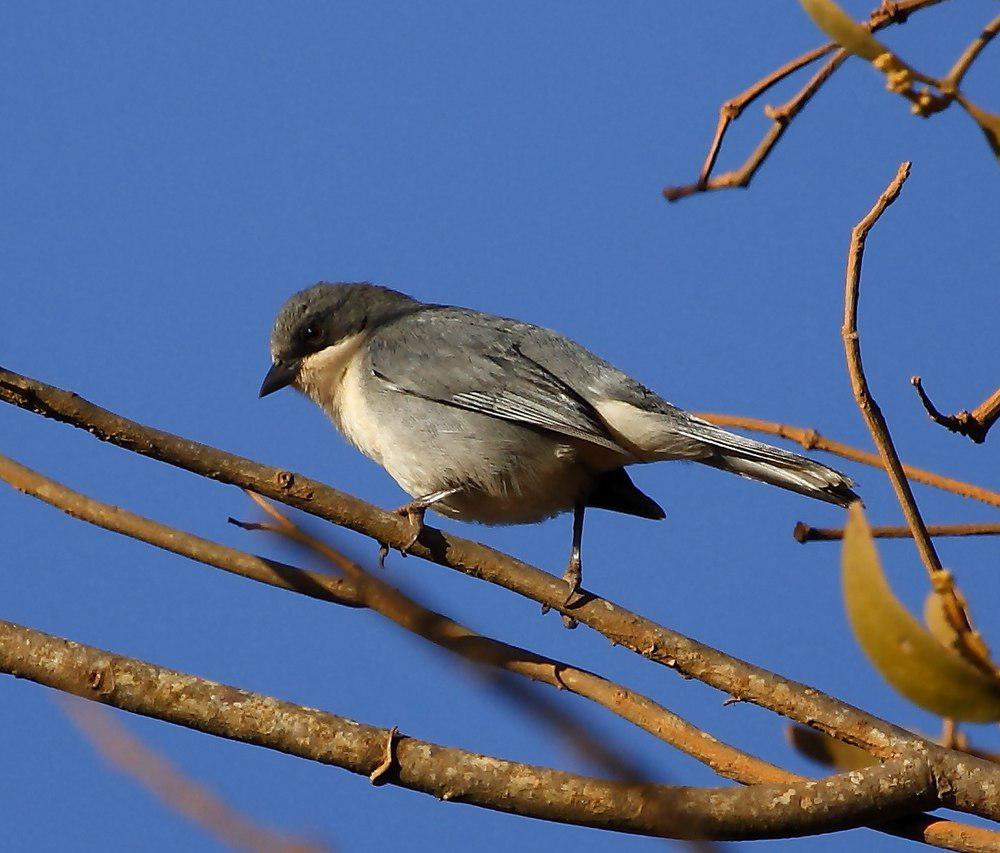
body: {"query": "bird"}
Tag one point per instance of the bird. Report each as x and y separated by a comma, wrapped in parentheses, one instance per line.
(488, 419)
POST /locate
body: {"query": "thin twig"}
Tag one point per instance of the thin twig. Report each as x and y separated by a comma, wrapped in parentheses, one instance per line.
(887, 13)
(964, 62)
(182, 794)
(314, 584)
(969, 641)
(806, 533)
(810, 439)
(975, 424)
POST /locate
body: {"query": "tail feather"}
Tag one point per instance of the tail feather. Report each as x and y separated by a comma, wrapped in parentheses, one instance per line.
(806, 477)
(656, 431)
(768, 464)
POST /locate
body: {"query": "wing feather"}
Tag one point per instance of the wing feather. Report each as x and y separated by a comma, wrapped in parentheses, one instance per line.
(475, 362)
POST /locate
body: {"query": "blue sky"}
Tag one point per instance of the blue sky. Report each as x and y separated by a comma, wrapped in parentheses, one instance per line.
(171, 173)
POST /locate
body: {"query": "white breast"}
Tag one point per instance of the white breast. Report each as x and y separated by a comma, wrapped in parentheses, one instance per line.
(332, 379)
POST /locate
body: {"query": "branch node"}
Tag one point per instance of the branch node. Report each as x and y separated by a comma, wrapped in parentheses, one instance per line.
(101, 678)
(377, 776)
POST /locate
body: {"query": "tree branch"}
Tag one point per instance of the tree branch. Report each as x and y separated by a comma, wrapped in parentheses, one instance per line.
(969, 641)
(975, 424)
(761, 811)
(724, 759)
(887, 13)
(361, 589)
(806, 533)
(971, 790)
(810, 439)
(964, 62)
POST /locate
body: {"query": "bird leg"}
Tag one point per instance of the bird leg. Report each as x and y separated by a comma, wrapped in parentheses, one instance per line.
(414, 512)
(574, 570)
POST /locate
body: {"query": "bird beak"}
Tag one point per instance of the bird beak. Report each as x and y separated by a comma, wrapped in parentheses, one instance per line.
(282, 373)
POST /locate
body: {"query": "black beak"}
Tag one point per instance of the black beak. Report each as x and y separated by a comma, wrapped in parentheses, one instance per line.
(282, 373)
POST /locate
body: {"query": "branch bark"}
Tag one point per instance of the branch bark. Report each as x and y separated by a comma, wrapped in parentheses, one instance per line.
(972, 788)
(762, 811)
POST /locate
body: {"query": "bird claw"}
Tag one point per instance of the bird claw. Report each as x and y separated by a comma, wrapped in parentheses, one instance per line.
(414, 512)
(572, 576)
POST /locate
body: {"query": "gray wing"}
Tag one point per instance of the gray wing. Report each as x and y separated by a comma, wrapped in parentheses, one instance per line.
(483, 364)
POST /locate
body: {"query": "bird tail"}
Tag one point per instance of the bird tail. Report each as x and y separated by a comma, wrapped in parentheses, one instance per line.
(768, 464)
(671, 433)
(788, 471)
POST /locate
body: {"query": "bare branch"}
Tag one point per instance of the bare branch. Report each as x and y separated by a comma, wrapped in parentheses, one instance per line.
(887, 13)
(969, 641)
(806, 533)
(971, 789)
(314, 584)
(760, 811)
(183, 795)
(975, 424)
(326, 587)
(810, 439)
(964, 62)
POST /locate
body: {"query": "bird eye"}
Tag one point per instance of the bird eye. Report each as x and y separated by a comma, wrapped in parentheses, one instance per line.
(311, 333)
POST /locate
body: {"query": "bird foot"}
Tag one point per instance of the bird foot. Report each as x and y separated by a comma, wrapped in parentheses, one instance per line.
(414, 512)
(572, 576)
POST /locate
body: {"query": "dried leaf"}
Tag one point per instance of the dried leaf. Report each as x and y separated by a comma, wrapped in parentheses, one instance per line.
(904, 652)
(843, 29)
(826, 750)
(988, 122)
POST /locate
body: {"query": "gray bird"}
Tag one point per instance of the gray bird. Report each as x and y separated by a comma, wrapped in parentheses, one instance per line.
(497, 421)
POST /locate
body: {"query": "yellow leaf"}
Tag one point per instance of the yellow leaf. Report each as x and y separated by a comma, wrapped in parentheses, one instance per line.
(828, 751)
(843, 29)
(902, 650)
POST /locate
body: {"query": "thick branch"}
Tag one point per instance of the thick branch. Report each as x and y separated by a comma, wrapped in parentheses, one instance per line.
(810, 439)
(975, 424)
(806, 533)
(972, 789)
(970, 643)
(762, 811)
